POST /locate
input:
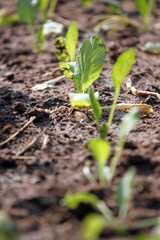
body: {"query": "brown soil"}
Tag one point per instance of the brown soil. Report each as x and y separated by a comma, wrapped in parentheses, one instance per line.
(31, 186)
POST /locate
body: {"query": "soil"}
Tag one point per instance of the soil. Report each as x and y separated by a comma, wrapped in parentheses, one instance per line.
(33, 182)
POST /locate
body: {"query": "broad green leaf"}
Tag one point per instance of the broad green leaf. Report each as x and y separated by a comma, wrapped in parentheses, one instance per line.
(86, 3)
(72, 201)
(128, 122)
(92, 226)
(89, 63)
(95, 106)
(71, 41)
(100, 150)
(142, 7)
(28, 10)
(124, 191)
(67, 69)
(81, 100)
(61, 52)
(122, 67)
(44, 5)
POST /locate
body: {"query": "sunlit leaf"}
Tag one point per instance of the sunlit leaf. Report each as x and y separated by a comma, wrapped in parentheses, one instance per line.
(72, 201)
(100, 150)
(28, 10)
(142, 7)
(92, 226)
(95, 106)
(124, 191)
(122, 67)
(89, 62)
(71, 41)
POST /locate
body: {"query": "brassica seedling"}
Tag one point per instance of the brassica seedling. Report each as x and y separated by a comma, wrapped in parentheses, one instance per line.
(66, 47)
(86, 3)
(120, 70)
(28, 11)
(145, 8)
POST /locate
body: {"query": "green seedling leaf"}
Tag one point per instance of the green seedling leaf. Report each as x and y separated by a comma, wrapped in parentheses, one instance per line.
(28, 10)
(100, 150)
(72, 201)
(142, 6)
(92, 226)
(67, 69)
(7, 228)
(95, 106)
(89, 62)
(124, 191)
(86, 3)
(43, 8)
(129, 121)
(71, 41)
(81, 100)
(122, 67)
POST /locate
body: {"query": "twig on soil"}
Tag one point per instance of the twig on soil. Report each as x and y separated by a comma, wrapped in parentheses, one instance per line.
(28, 146)
(57, 109)
(16, 133)
(140, 92)
(45, 141)
(51, 73)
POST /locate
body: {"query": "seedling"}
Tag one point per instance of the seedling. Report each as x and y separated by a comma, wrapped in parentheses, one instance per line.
(86, 3)
(100, 148)
(145, 8)
(66, 47)
(28, 12)
(86, 69)
(94, 223)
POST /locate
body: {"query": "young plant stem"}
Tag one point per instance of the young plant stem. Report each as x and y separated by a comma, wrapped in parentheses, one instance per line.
(34, 37)
(115, 159)
(52, 7)
(112, 110)
(101, 175)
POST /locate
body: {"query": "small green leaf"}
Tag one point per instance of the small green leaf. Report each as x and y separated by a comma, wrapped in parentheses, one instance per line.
(95, 106)
(89, 63)
(67, 69)
(92, 226)
(128, 122)
(142, 7)
(124, 191)
(122, 67)
(28, 10)
(86, 3)
(71, 41)
(81, 100)
(72, 201)
(7, 228)
(100, 150)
